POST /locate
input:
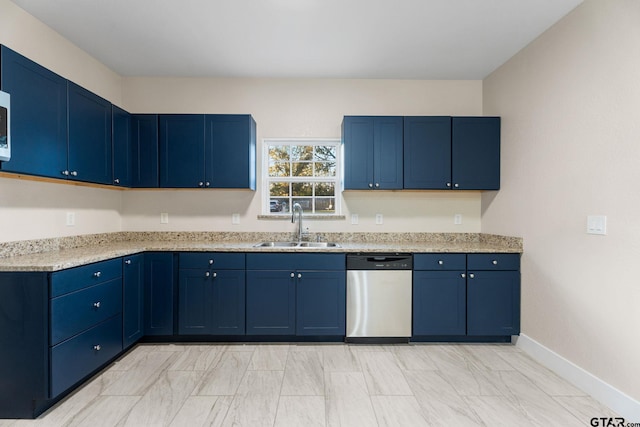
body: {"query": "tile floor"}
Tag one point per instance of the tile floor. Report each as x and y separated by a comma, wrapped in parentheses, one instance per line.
(324, 385)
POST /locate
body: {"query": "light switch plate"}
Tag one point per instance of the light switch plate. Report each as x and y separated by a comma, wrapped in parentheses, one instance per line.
(235, 219)
(379, 219)
(457, 219)
(71, 219)
(164, 218)
(354, 219)
(596, 224)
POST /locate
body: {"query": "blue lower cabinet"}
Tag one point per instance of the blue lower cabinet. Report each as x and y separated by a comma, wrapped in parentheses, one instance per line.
(271, 302)
(132, 299)
(158, 293)
(228, 305)
(320, 303)
(439, 303)
(74, 359)
(493, 303)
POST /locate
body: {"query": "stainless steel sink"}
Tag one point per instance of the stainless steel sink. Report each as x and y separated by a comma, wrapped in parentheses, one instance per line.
(297, 245)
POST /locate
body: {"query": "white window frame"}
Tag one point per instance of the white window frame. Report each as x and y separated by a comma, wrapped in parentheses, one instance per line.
(266, 179)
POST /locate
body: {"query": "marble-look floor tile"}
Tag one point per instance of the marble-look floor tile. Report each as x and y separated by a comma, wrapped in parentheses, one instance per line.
(137, 380)
(484, 356)
(440, 403)
(398, 411)
(298, 411)
(201, 411)
(347, 399)
(256, 402)
(303, 375)
(498, 411)
(413, 358)
(196, 358)
(475, 382)
(225, 378)
(269, 358)
(163, 400)
(382, 374)
(447, 357)
(105, 411)
(340, 359)
(585, 407)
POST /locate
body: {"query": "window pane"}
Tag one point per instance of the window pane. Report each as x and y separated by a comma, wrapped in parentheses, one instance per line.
(325, 205)
(325, 169)
(278, 189)
(325, 152)
(279, 152)
(302, 169)
(301, 152)
(325, 189)
(306, 203)
(279, 168)
(302, 189)
(277, 205)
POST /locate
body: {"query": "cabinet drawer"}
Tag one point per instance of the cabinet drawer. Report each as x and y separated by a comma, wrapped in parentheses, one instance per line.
(439, 261)
(74, 359)
(214, 260)
(70, 280)
(74, 312)
(493, 262)
(282, 261)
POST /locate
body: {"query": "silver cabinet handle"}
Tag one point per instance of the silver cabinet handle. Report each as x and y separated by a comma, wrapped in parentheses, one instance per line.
(207, 184)
(494, 262)
(215, 274)
(440, 262)
(377, 185)
(370, 185)
(200, 184)
(128, 262)
(96, 304)
(116, 181)
(456, 185)
(97, 274)
(463, 275)
(65, 173)
(299, 276)
(210, 262)
(471, 276)
(97, 347)
(74, 173)
(449, 184)
(293, 275)
(207, 274)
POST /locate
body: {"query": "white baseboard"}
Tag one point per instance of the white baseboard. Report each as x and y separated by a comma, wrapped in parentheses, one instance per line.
(622, 404)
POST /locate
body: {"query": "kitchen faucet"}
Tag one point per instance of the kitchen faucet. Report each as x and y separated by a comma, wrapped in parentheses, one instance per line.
(297, 208)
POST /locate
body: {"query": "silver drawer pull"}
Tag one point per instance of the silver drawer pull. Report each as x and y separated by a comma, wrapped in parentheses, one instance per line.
(215, 274)
(128, 262)
(293, 275)
(494, 262)
(440, 262)
(299, 276)
(471, 276)
(96, 304)
(97, 347)
(207, 274)
(74, 173)
(463, 275)
(210, 262)
(97, 274)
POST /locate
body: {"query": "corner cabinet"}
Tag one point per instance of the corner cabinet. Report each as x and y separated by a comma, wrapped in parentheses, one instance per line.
(159, 293)
(373, 153)
(122, 149)
(144, 150)
(211, 294)
(132, 299)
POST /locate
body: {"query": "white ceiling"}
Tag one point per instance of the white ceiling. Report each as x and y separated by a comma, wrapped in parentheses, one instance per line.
(396, 39)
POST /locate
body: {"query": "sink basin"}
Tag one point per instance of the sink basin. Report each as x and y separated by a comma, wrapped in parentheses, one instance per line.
(297, 245)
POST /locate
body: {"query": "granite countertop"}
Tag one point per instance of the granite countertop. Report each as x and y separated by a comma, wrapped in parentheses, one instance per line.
(81, 250)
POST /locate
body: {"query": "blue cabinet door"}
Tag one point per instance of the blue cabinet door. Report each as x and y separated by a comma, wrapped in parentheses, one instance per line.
(182, 151)
(230, 151)
(357, 138)
(228, 302)
(493, 303)
(121, 147)
(271, 302)
(439, 303)
(38, 116)
(321, 303)
(194, 296)
(475, 153)
(90, 150)
(387, 155)
(427, 153)
(372, 152)
(158, 293)
(132, 299)
(144, 150)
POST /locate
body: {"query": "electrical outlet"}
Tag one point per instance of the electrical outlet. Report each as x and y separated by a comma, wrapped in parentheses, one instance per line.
(354, 219)
(235, 219)
(596, 224)
(379, 219)
(71, 219)
(164, 218)
(457, 219)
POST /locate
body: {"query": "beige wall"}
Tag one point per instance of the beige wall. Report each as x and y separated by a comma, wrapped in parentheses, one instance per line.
(570, 132)
(286, 108)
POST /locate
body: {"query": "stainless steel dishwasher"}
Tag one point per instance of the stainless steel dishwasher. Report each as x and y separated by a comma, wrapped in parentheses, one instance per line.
(379, 289)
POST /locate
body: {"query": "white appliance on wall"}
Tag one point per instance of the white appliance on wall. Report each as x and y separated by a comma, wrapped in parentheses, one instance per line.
(5, 126)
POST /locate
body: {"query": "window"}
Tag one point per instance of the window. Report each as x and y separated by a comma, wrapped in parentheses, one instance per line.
(301, 171)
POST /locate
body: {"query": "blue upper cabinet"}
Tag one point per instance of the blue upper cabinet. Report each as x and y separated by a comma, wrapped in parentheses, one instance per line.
(38, 116)
(427, 153)
(121, 147)
(230, 151)
(182, 153)
(475, 153)
(90, 145)
(144, 150)
(373, 153)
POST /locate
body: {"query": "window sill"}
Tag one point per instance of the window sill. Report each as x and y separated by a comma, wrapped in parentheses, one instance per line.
(313, 217)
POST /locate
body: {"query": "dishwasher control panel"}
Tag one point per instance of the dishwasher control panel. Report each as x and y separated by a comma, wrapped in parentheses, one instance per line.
(396, 261)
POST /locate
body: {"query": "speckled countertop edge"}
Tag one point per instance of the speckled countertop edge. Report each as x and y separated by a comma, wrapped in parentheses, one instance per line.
(61, 253)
